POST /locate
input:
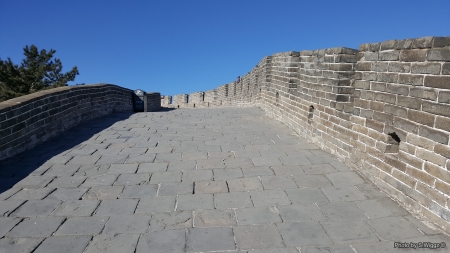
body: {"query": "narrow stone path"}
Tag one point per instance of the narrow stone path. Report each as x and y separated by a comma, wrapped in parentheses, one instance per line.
(194, 180)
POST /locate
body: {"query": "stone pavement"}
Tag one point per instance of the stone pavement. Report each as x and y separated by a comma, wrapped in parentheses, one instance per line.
(194, 180)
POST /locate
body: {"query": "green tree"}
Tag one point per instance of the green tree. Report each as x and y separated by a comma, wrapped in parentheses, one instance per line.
(38, 71)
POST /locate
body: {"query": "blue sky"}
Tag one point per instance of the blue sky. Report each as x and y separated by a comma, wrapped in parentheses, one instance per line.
(181, 46)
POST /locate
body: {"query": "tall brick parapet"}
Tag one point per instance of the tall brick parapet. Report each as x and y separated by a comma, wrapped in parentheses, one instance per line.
(196, 99)
(383, 109)
(180, 101)
(153, 101)
(30, 120)
(166, 101)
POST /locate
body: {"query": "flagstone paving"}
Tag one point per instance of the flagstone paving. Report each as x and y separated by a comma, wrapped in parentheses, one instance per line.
(194, 180)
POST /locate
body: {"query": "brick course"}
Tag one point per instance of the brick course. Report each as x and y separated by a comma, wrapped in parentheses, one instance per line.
(30, 120)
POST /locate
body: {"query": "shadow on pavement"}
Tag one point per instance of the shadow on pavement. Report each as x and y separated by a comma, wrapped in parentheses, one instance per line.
(36, 161)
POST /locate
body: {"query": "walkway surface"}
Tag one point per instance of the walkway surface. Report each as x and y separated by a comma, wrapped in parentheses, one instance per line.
(194, 180)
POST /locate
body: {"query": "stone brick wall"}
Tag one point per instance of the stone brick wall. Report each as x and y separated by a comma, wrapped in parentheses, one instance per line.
(383, 109)
(153, 102)
(27, 121)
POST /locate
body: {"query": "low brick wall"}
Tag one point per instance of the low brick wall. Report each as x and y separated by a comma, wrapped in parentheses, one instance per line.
(383, 109)
(30, 120)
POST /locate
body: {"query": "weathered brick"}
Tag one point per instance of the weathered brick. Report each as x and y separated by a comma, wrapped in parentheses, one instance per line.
(409, 102)
(442, 186)
(366, 139)
(424, 42)
(375, 125)
(442, 123)
(435, 135)
(431, 193)
(363, 66)
(395, 110)
(442, 54)
(408, 148)
(380, 66)
(345, 58)
(441, 41)
(444, 96)
(421, 117)
(446, 68)
(370, 76)
(404, 44)
(370, 56)
(399, 67)
(394, 162)
(410, 159)
(398, 88)
(388, 56)
(442, 82)
(374, 46)
(410, 79)
(362, 103)
(385, 97)
(423, 92)
(377, 106)
(413, 55)
(359, 84)
(377, 86)
(406, 125)
(404, 178)
(443, 150)
(420, 141)
(383, 118)
(387, 77)
(368, 114)
(437, 171)
(430, 156)
(388, 45)
(435, 108)
(426, 68)
(420, 175)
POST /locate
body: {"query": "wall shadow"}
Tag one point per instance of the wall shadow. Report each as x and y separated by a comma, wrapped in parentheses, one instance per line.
(37, 161)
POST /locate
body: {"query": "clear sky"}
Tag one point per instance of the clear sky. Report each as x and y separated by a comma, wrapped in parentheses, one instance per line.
(183, 46)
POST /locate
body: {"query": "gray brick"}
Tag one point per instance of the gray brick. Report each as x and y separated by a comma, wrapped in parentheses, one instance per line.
(162, 241)
(349, 232)
(173, 220)
(269, 198)
(75, 244)
(232, 200)
(103, 192)
(76, 208)
(36, 227)
(257, 237)
(394, 228)
(82, 226)
(196, 201)
(36, 208)
(257, 215)
(210, 239)
(214, 218)
(442, 54)
(114, 243)
(124, 224)
(244, 184)
(116, 207)
(346, 193)
(7, 223)
(156, 205)
(20, 245)
(303, 234)
(300, 213)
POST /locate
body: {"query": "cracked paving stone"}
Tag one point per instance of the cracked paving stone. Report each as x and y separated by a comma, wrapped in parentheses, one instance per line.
(173, 220)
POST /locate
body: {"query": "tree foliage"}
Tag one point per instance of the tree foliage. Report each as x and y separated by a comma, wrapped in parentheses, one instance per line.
(38, 71)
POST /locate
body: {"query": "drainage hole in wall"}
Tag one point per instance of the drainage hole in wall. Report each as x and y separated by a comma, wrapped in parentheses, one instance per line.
(395, 137)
